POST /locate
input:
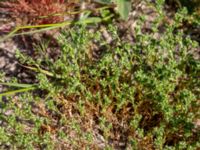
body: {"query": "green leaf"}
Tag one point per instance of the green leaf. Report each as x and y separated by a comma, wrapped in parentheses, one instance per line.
(103, 1)
(124, 7)
(17, 91)
(17, 85)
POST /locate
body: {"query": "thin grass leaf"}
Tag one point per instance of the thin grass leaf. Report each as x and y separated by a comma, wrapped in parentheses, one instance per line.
(17, 91)
(44, 27)
(38, 69)
(17, 85)
(103, 1)
(90, 20)
(49, 27)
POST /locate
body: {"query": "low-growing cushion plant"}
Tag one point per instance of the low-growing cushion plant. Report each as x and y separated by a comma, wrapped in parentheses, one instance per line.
(141, 95)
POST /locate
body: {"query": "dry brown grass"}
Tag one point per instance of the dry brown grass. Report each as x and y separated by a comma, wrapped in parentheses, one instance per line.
(31, 11)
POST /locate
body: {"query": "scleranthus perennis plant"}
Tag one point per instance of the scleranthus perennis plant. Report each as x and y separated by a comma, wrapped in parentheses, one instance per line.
(151, 86)
(31, 11)
(144, 94)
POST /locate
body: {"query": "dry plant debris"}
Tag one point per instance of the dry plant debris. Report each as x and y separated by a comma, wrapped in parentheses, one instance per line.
(34, 12)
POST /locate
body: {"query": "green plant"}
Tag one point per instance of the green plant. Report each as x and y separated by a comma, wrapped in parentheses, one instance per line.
(192, 6)
(144, 95)
(123, 6)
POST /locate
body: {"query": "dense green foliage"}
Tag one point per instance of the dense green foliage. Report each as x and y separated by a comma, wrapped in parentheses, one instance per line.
(144, 94)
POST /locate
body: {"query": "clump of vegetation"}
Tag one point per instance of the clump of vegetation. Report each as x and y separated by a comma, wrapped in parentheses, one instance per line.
(193, 7)
(141, 95)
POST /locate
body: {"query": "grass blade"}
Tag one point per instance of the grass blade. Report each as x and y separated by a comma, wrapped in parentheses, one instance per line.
(17, 85)
(17, 91)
